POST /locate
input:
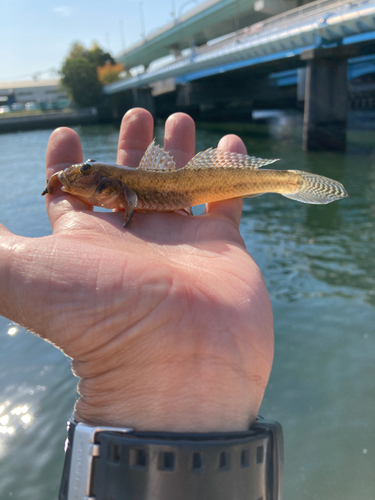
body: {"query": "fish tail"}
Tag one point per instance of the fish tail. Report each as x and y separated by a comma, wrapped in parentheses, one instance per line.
(316, 189)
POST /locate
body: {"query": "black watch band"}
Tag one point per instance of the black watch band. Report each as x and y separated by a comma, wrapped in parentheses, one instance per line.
(104, 463)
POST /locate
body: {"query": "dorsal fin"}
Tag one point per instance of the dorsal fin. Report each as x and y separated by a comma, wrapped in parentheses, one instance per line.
(155, 158)
(217, 158)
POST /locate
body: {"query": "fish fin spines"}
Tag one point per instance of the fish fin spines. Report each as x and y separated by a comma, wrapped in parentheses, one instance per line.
(155, 158)
(218, 158)
(316, 189)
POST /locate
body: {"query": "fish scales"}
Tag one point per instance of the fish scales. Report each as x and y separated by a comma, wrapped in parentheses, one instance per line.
(210, 176)
(171, 190)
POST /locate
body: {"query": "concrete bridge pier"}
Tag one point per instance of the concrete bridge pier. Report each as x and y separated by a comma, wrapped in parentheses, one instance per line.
(119, 103)
(325, 115)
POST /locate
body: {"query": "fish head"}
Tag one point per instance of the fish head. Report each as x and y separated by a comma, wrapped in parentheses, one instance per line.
(89, 184)
(80, 180)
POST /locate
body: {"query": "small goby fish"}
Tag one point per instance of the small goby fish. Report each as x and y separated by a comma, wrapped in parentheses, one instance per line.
(212, 175)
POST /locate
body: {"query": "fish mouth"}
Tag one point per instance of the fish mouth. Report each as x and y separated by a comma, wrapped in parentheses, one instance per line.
(63, 179)
(53, 182)
(66, 178)
(76, 183)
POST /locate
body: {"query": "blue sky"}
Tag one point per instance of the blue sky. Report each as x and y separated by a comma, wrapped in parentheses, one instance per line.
(35, 35)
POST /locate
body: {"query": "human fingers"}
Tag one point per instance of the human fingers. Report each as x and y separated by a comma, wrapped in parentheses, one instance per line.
(179, 138)
(231, 209)
(64, 149)
(64, 146)
(136, 133)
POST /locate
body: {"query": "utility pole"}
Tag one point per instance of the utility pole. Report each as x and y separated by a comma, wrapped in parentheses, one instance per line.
(122, 35)
(237, 20)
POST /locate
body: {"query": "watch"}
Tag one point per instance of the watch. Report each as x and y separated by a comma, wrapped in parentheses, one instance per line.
(109, 463)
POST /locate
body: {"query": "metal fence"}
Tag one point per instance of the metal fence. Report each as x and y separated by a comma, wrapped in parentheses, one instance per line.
(298, 19)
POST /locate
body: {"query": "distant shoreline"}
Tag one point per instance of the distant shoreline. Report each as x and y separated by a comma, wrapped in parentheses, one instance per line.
(50, 119)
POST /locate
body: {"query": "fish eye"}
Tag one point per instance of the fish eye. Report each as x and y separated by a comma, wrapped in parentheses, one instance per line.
(85, 168)
(91, 161)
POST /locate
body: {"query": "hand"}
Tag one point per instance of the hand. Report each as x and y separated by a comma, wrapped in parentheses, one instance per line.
(168, 322)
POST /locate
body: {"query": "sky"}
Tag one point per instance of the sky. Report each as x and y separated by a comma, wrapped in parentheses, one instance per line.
(36, 35)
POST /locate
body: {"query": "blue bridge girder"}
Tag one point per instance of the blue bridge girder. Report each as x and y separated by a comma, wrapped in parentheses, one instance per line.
(357, 66)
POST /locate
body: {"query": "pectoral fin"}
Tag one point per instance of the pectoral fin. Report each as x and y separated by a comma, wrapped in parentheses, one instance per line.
(131, 202)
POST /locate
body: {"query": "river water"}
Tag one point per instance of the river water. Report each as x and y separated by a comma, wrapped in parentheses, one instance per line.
(318, 262)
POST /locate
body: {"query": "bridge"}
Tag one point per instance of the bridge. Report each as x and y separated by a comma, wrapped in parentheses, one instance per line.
(320, 36)
(207, 21)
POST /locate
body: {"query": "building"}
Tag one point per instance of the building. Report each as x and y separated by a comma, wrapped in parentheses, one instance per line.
(38, 91)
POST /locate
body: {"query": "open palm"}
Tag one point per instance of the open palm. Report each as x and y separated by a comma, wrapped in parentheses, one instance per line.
(168, 322)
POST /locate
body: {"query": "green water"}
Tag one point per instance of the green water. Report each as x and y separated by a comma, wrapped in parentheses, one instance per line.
(318, 262)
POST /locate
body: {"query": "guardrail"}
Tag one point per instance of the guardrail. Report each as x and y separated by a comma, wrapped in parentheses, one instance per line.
(314, 12)
(311, 10)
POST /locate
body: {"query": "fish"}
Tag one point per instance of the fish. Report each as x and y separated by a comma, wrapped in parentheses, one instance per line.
(212, 175)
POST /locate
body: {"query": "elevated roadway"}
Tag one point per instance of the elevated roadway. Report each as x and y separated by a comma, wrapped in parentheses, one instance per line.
(320, 36)
(320, 23)
(209, 20)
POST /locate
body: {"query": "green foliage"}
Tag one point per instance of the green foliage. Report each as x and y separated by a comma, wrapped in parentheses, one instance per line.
(80, 74)
(98, 57)
(77, 50)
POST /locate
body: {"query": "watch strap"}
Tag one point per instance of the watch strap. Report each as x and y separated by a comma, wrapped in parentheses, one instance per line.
(130, 465)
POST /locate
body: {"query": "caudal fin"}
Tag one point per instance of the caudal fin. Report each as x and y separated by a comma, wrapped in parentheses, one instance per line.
(317, 189)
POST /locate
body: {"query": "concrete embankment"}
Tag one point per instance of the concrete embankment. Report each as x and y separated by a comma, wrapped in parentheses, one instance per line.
(11, 123)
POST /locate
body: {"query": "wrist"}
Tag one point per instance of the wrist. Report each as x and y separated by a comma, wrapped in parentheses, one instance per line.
(168, 420)
(177, 384)
(226, 403)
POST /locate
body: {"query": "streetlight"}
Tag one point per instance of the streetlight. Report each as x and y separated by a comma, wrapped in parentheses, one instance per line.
(142, 19)
(183, 6)
(122, 35)
(173, 11)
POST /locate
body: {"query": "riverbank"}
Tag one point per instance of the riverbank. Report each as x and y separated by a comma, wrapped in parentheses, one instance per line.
(50, 119)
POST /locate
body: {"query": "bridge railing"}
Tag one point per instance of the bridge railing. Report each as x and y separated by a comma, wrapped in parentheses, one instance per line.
(306, 12)
(290, 19)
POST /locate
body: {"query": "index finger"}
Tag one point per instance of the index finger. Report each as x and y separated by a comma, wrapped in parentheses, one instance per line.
(63, 150)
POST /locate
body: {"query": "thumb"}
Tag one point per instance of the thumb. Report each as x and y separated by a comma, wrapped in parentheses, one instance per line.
(8, 245)
(21, 273)
(21, 270)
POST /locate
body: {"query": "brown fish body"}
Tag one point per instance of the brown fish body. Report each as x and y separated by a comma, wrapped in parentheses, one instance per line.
(172, 190)
(210, 176)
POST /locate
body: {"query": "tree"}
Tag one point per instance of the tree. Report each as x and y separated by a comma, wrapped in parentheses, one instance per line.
(99, 57)
(81, 81)
(109, 73)
(80, 74)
